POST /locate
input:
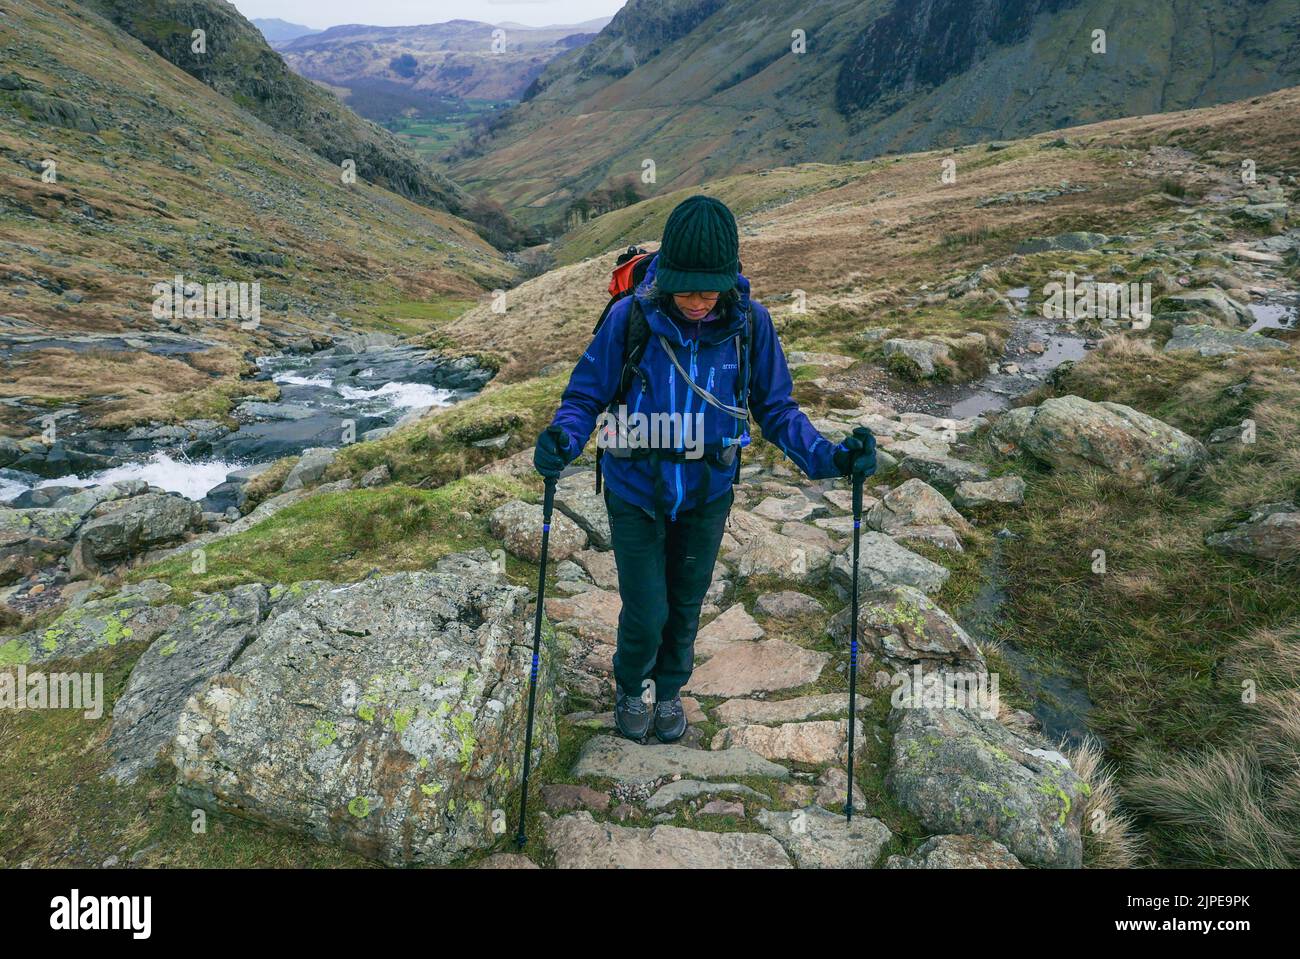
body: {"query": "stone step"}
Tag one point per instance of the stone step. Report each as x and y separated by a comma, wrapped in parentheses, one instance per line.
(609, 757)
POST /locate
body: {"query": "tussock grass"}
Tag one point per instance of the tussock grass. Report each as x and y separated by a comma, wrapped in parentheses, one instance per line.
(1110, 840)
(1168, 633)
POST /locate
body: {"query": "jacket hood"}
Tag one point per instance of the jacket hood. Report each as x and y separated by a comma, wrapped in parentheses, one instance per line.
(710, 333)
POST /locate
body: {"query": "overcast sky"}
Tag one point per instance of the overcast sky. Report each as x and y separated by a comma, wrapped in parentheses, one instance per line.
(320, 14)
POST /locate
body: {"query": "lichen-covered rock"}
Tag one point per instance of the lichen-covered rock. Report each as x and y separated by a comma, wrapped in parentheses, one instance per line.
(1271, 533)
(902, 627)
(1216, 341)
(386, 716)
(142, 522)
(519, 526)
(957, 852)
(204, 640)
(960, 772)
(1069, 432)
(50, 522)
(129, 616)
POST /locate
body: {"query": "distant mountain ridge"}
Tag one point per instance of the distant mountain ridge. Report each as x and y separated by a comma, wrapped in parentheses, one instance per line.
(458, 59)
(279, 32)
(878, 76)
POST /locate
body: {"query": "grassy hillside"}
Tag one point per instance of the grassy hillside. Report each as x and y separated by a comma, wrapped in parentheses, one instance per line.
(156, 174)
(237, 62)
(859, 238)
(705, 89)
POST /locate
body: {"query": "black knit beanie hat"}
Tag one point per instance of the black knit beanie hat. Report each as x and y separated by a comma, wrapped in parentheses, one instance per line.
(701, 248)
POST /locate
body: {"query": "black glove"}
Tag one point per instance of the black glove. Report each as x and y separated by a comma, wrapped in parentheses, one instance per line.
(857, 454)
(551, 454)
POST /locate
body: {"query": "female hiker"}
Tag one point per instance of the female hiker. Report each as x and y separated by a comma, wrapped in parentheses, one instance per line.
(668, 498)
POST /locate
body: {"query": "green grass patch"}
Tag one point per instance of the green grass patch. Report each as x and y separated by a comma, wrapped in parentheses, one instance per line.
(344, 536)
(439, 448)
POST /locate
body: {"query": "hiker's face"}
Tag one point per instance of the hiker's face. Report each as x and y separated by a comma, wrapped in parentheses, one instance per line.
(695, 306)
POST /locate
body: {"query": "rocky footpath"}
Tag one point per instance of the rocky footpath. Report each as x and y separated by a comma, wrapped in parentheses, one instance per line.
(759, 779)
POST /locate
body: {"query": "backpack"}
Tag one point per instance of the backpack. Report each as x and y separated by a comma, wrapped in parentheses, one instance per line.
(629, 271)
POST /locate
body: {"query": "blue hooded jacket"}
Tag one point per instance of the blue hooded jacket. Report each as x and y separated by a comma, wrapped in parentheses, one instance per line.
(711, 359)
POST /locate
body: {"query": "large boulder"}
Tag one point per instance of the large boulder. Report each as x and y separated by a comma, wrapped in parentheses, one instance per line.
(386, 716)
(203, 641)
(1069, 432)
(902, 627)
(142, 522)
(920, 358)
(310, 468)
(960, 772)
(1271, 533)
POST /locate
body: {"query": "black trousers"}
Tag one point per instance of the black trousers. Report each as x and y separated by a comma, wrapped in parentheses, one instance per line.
(664, 571)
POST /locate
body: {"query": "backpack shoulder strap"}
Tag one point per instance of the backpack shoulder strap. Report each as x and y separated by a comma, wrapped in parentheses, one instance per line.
(744, 358)
(636, 334)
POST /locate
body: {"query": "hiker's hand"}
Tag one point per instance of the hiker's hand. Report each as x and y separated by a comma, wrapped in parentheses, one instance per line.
(551, 454)
(857, 454)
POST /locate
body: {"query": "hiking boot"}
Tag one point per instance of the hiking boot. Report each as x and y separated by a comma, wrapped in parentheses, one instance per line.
(632, 716)
(670, 720)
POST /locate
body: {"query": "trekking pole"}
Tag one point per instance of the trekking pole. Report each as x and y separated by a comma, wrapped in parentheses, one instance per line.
(547, 503)
(858, 479)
